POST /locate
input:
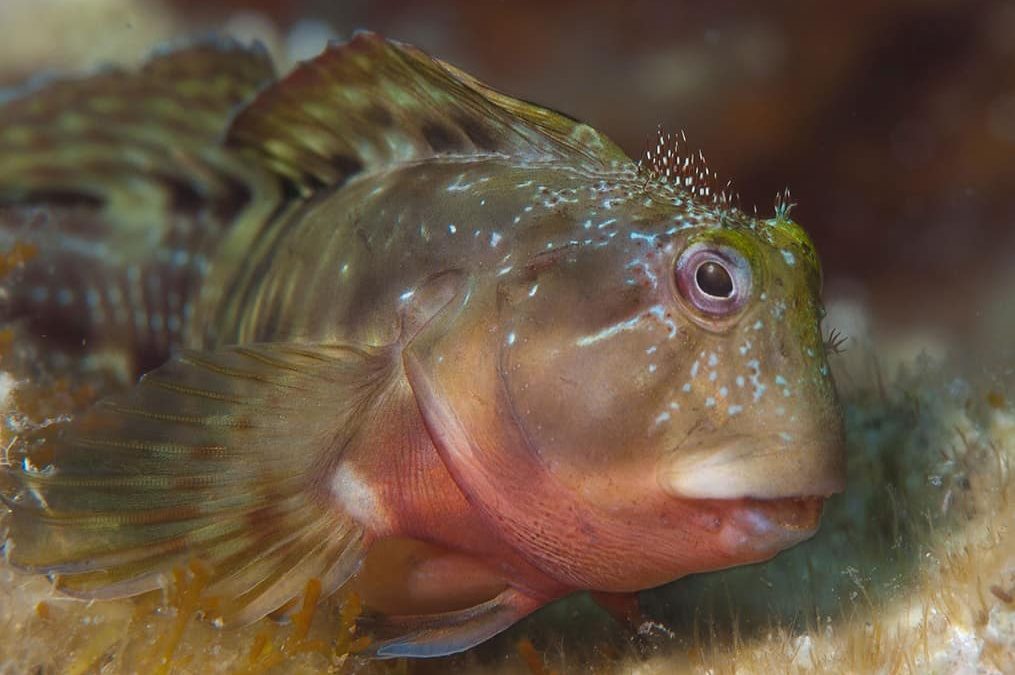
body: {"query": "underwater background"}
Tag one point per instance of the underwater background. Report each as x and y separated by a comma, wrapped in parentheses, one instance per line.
(893, 124)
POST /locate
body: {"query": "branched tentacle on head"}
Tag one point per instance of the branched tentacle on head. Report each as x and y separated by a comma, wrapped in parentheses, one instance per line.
(783, 205)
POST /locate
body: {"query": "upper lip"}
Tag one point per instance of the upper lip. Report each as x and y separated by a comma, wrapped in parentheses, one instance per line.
(762, 468)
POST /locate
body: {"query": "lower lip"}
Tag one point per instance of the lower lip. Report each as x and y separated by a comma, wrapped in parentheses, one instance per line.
(800, 514)
(759, 528)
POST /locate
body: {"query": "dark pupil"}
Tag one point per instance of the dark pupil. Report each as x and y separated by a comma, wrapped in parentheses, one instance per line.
(714, 280)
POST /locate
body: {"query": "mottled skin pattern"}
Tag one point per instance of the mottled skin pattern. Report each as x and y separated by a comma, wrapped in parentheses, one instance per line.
(474, 364)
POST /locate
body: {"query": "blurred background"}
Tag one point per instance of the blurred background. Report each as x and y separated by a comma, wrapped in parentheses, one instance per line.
(893, 123)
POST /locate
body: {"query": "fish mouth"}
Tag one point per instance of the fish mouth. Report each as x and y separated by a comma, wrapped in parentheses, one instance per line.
(794, 514)
(755, 529)
(767, 470)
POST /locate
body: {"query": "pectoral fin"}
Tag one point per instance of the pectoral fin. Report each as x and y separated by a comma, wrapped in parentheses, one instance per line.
(429, 635)
(217, 456)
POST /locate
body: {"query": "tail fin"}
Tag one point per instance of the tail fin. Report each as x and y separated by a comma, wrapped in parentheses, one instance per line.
(115, 189)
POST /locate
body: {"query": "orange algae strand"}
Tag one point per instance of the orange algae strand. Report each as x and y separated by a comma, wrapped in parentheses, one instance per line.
(6, 340)
(184, 597)
(347, 643)
(297, 639)
(263, 654)
(532, 658)
(995, 399)
(19, 254)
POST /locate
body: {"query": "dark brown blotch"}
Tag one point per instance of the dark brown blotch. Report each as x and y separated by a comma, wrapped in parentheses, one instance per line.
(477, 132)
(347, 165)
(440, 136)
(379, 116)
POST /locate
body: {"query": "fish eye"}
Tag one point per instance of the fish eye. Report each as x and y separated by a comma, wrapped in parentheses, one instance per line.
(714, 280)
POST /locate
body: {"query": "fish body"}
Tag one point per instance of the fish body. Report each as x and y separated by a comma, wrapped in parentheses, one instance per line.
(443, 347)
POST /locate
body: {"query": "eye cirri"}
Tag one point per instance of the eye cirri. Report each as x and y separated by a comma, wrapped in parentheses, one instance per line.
(715, 280)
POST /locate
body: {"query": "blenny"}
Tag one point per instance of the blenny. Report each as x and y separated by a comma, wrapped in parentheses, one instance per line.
(404, 334)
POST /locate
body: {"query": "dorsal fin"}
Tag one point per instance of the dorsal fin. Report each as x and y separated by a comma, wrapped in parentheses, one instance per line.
(120, 136)
(118, 182)
(372, 102)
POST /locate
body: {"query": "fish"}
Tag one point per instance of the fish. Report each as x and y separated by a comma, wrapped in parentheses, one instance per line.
(402, 334)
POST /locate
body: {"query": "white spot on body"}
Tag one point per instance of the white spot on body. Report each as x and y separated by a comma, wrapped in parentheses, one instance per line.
(358, 498)
(755, 377)
(459, 185)
(609, 331)
(638, 236)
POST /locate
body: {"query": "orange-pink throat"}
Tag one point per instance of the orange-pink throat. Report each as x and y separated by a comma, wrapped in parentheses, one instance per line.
(644, 540)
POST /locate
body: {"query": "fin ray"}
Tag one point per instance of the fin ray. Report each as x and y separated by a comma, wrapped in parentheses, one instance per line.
(119, 183)
(373, 102)
(111, 500)
(431, 635)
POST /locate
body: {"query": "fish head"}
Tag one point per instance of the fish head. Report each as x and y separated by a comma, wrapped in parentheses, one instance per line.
(655, 387)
